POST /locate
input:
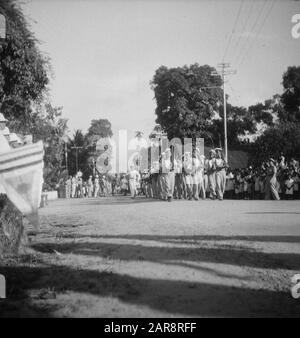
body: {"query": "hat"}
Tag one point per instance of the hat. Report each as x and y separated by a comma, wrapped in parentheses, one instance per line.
(218, 149)
(2, 118)
(212, 151)
(272, 160)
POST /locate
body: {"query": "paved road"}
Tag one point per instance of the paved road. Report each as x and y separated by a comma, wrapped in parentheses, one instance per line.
(123, 257)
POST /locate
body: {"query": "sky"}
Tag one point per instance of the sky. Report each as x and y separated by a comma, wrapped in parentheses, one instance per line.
(104, 53)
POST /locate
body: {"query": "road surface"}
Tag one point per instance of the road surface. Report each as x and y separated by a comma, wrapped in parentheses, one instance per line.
(117, 257)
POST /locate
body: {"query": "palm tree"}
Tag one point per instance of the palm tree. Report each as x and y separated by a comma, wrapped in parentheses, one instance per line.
(139, 134)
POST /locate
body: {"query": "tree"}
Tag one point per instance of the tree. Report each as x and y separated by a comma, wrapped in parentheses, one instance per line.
(78, 140)
(23, 69)
(283, 138)
(50, 128)
(184, 106)
(281, 116)
(98, 129)
(239, 120)
(291, 95)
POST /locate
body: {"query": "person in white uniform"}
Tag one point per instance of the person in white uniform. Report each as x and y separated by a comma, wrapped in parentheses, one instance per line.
(96, 186)
(188, 170)
(168, 175)
(220, 174)
(133, 179)
(210, 165)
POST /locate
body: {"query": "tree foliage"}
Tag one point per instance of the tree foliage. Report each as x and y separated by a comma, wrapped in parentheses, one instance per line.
(51, 128)
(291, 95)
(283, 138)
(239, 121)
(189, 104)
(98, 129)
(184, 107)
(23, 69)
(78, 140)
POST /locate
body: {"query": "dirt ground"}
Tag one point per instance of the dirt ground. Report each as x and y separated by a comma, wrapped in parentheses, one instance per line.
(117, 257)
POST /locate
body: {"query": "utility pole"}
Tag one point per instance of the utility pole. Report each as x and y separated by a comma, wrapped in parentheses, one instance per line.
(66, 157)
(66, 139)
(224, 71)
(76, 148)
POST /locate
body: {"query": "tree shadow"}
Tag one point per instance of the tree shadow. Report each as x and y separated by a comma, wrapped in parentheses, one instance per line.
(128, 252)
(118, 201)
(173, 297)
(273, 213)
(190, 239)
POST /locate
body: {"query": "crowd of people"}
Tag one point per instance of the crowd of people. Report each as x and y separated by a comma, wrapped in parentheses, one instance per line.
(193, 177)
(95, 186)
(272, 179)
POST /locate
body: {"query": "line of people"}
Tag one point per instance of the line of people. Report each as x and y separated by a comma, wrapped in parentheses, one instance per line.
(99, 186)
(191, 176)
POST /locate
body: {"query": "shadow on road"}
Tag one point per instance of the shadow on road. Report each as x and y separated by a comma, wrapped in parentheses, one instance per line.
(226, 255)
(173, 297)
(273, 213)
(192, 239)
(116, 201)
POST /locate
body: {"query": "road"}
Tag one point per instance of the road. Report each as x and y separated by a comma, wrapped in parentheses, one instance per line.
(117, 257)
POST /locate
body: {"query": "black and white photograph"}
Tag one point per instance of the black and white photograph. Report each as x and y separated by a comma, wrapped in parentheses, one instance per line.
(149, 161)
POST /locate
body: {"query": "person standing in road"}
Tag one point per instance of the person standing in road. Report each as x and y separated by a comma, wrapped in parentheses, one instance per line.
(271, 181)
(220, 174)
(90, 186)
(96, 186)
(211, 174)
(133, 179)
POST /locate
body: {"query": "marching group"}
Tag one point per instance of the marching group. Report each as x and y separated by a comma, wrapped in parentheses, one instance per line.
(196, 177)
(95, 186)
(193, 177)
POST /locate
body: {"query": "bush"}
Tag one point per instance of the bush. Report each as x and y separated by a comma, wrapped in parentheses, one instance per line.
(11, 227)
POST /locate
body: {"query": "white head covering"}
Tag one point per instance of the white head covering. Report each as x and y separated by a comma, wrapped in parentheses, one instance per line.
(2, 118)
(6, 131)
(14, 138)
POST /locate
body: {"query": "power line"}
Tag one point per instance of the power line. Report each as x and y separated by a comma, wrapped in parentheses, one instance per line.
(233, 30)
(234, 94)
(251, 31)
(243, 29)
(259, 31)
